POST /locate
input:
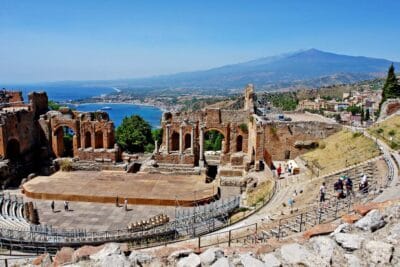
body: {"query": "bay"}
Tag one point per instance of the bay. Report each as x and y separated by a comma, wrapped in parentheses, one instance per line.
(67, 93)
(120, 110)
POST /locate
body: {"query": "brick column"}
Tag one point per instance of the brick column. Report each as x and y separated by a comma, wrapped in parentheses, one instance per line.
(181, 139)
(201, 143)
(192, 141)
(167, 137)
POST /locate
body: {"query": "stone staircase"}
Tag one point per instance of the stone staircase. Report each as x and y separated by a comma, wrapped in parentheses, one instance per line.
(171, 169)
(230, 176)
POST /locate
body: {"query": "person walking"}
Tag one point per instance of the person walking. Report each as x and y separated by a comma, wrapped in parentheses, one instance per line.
(65, 205)
(279, 170)
(338, 187)
(349, 187)
(126, 204)
(322, 194)
(117, 202)
(291, 203)
(52, 206)
(364, 184)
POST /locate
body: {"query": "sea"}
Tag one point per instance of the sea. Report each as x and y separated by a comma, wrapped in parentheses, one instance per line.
(117, 111)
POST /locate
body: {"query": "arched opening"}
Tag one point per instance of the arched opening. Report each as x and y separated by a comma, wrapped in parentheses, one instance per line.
(175, 141)
(98, 141)
(88, 140)
(13, 149)
(188, 140)
(239, 143)
(65, 136)
(213, 140)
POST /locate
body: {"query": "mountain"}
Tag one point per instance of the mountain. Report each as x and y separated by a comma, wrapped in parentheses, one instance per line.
(308, 68)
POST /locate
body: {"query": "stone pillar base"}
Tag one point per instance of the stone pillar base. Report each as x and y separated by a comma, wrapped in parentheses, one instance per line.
(201, 163)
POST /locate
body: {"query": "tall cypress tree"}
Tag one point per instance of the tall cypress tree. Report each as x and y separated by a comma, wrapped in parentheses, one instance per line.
(391, 89)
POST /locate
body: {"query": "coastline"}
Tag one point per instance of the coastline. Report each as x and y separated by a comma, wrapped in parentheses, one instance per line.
(163, 109)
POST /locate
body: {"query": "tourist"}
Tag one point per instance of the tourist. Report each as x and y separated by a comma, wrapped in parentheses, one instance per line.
(364, 183)
(52, 205)
(279, 170)
(338, 187)
(322, 193)
(126, 204)
(349, 187)
(66, 208)
(291, 202)
(116, 202)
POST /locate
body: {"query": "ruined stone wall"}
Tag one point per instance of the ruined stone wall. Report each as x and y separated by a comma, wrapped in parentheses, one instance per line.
(280, 137)
(20, 129)
(15, 97)
(38, 102)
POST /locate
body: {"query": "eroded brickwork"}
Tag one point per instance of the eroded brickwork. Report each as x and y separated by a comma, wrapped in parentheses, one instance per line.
(30, 134)
(248, 138)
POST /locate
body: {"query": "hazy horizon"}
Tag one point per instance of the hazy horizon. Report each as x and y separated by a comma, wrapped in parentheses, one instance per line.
(92, 40)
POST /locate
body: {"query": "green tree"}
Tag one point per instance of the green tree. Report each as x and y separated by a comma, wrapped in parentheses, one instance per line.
(134, 135)
(53, 105)
(367, 115)
(157, 135)
(391, 88)
(362, 114)
(354, 110)
(213, 140)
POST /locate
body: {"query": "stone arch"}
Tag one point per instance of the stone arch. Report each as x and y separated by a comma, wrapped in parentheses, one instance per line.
(175, 141)
(98, 139)
(64, 141)
(13, 149)
(239, 143)
(88, 139)
(209, 134)
(188, 140)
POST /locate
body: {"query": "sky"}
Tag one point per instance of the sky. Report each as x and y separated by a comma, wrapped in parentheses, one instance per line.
(98, 40)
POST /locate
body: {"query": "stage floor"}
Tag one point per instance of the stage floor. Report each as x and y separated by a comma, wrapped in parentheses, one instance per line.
(105, 186)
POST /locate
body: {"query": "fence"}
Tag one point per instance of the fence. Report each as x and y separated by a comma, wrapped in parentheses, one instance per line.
(189, 222)
(227, 237)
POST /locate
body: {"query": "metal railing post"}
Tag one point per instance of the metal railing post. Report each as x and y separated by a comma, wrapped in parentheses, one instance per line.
(229, 238)
(301, 221)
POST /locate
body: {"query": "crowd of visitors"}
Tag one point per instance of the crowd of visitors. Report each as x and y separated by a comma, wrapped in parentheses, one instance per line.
(343, 187)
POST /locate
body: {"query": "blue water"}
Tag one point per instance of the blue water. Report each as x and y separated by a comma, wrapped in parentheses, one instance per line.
(65, 93)
(118, 111)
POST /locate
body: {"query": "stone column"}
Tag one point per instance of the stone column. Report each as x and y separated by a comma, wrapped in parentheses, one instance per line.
(167, 138)
(181, 140)
(201, 143)
(156, 146)
(192, 142)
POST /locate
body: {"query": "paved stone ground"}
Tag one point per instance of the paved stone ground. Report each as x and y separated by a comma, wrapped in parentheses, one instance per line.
(100, 216)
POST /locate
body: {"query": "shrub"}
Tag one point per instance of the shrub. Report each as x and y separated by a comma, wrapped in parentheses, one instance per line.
(243, 128)
(66, 165)
(394, 145)
(356, 134)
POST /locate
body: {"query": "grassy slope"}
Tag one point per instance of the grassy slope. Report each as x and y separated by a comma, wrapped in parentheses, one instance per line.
(340, 150)
(388, 129)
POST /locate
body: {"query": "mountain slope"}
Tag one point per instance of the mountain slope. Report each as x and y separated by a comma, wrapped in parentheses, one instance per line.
(319, 67)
